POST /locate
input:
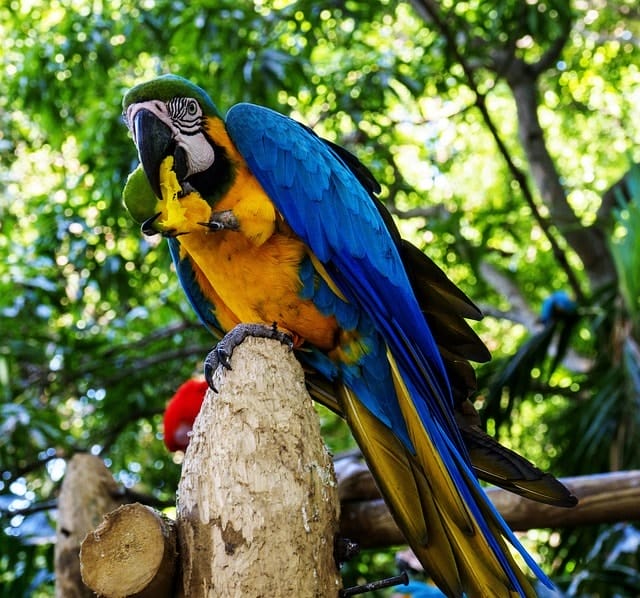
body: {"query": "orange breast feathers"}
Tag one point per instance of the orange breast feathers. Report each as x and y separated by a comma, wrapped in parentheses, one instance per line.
(253, 267)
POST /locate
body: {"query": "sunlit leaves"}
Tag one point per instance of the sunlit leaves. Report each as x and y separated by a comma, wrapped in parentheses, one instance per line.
(625, 245)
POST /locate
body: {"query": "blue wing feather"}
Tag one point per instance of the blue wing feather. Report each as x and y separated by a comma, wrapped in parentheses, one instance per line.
(205, 310)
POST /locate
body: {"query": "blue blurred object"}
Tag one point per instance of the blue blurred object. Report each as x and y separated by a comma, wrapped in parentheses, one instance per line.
(556, 306)
(418, 589)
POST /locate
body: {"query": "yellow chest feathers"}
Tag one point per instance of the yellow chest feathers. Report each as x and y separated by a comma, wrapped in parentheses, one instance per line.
(253, 266)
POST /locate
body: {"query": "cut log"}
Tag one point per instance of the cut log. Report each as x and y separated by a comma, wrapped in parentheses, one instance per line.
(257, 501)
(131, 553)
(603, 498)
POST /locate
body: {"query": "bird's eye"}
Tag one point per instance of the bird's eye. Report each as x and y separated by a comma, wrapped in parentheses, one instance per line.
(192, 108)
(185, 114)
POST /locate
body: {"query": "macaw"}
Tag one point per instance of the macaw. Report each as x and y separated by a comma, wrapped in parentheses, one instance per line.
(180, 413)
(279, 232)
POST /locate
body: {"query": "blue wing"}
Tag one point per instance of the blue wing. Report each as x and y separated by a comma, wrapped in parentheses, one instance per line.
(326, 206)
(324, 203)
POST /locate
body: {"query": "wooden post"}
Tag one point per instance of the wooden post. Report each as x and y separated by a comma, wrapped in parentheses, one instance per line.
(257, 501)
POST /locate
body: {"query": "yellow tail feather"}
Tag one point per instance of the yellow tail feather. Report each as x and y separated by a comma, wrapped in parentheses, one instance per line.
(428, 507)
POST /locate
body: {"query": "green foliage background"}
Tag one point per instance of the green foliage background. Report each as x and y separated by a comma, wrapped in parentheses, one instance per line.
(95, 334)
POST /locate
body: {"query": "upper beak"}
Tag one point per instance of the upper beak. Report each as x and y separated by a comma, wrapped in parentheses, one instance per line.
(154, 141)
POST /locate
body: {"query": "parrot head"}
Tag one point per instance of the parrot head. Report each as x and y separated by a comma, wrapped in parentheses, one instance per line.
(173, 124)
(181, 413)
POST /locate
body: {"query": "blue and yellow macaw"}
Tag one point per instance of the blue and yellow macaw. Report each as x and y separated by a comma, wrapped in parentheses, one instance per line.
(272, 227)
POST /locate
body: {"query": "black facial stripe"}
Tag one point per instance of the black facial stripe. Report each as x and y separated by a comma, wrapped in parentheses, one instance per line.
(191, 131)
(186, 115)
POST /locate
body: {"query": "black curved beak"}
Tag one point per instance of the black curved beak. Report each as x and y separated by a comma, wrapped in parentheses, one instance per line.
(147, 225)
(154, 141)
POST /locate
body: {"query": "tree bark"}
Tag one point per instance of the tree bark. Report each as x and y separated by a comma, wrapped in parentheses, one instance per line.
(131, 553)
(88, 492)
(257, 501)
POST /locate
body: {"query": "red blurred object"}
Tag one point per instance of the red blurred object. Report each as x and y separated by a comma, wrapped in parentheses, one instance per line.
(181, 412)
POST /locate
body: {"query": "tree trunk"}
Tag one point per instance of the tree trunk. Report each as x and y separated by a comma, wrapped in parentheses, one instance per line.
(257, 501)
(88, 493)
(589, 242)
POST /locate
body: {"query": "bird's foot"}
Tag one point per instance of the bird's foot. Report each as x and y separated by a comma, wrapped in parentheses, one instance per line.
(220, 355)
(223, 220)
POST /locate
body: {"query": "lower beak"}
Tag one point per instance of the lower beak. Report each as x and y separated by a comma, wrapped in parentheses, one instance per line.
(147, 226)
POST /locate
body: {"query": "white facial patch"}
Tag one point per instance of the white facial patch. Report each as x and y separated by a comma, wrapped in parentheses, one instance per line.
(198, 150)
(200, 154)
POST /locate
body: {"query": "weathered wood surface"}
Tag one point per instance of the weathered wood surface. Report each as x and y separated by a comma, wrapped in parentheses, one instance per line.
(87, 494)
(132, 552)
(257, 501)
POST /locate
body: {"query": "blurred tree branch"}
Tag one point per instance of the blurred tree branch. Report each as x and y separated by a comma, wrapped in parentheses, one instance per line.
(604, 498)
